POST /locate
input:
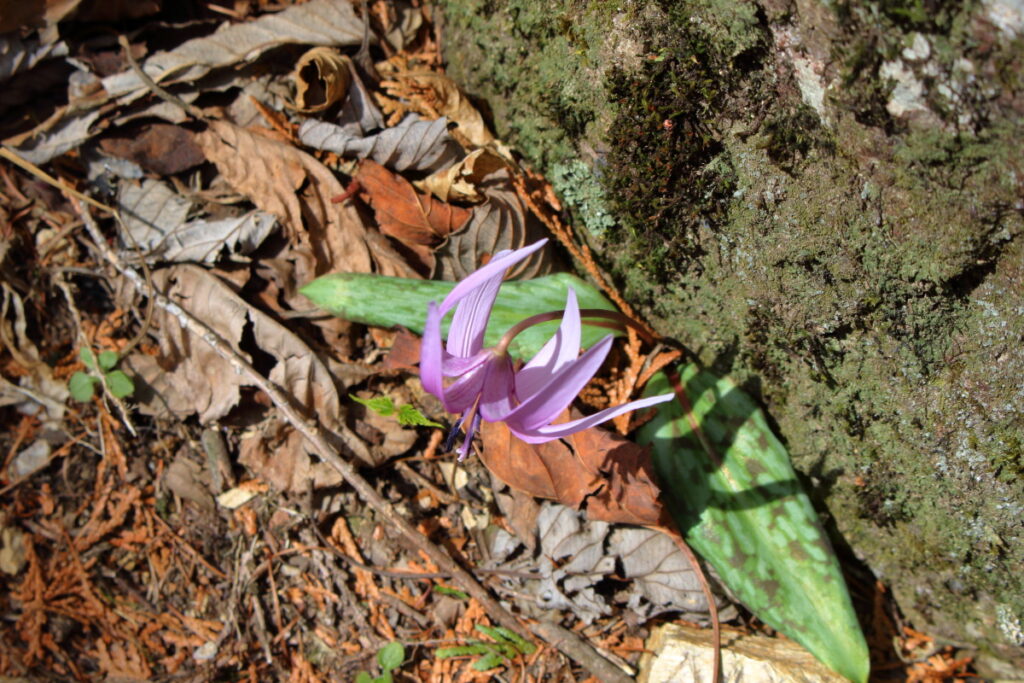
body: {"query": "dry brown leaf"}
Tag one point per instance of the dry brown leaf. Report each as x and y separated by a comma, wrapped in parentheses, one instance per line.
(322, 78)
(461, 181)
(412, 145)
(278, 455)
(320, 22)
(442, 95)
(611, 476)
(387, 259)
(210, 381)
(501, 222)
(296, 188)
(17, 14)
(411, 217)
(161, 148)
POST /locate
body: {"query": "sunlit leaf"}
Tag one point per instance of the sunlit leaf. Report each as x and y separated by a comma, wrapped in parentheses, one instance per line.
(744, 511)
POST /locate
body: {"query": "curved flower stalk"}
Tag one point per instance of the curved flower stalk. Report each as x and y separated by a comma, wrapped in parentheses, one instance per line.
(487, 386)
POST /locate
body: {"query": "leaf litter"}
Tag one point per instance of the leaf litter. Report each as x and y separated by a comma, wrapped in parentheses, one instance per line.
(138, 557)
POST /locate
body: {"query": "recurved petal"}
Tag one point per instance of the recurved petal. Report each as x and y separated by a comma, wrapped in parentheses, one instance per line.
(561, 349)
(555, 396)
(497, 267)
(466, 334)
(431, 353)
(551, 432)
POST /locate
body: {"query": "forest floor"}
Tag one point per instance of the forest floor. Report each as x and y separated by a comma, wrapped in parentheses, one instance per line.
(162, 515)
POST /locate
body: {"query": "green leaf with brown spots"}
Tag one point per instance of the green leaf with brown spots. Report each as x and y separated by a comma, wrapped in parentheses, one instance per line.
(743, 510)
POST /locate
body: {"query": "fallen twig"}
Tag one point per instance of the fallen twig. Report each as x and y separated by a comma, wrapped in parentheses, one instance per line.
(571, 645)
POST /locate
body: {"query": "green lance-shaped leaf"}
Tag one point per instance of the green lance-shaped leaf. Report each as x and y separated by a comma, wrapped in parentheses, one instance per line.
(743, 510)
(388, 301)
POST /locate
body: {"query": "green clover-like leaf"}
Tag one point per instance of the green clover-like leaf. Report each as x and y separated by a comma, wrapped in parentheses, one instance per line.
(82, 387)
(107, 360)
(391, 656)
(120, 384)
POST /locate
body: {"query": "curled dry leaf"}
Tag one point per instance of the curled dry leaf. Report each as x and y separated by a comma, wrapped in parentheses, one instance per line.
(501, 222)
(322, 78)
(417, 220)
(404, 21)
(320, 22)
(439, 95)
(154, 215)
(460, 182)
(293, 186)
(412, 145)
(610, 476)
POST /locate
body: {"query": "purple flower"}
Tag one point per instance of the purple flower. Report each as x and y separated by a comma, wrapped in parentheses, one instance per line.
(486, 383)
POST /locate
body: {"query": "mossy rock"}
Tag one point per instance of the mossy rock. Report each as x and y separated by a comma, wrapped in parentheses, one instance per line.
(823, 200)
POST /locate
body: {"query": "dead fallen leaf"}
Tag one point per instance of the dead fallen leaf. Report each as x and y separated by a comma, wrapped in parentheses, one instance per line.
(412, 145)
(611, 477)
(278, 455)
(419, 221)
(151, 210)
(322, 78)
(211, 381)
(161, 148)
(17, 14)
(296, 188)
(663, 578)
(320, 22)
(501, 222)
(460, 182)
(442, 95)
(407, 20)
(17, 55)
(184, 477)
(404, 353)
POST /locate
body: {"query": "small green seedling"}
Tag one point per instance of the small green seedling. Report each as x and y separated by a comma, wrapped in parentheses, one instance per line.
(82, 385)
(507, 645)
(390, 657)
(408, 416)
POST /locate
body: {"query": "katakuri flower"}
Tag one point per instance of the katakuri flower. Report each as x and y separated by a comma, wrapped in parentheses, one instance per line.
(486, 383)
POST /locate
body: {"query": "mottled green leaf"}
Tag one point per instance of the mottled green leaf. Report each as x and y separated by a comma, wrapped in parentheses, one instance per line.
(388, 301)
(744, 511)
(88, 357)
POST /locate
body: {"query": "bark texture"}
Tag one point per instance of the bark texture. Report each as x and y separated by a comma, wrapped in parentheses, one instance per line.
(825, 200)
